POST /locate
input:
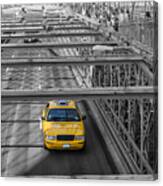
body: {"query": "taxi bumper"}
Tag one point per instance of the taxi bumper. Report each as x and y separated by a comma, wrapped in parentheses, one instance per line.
(64, 145)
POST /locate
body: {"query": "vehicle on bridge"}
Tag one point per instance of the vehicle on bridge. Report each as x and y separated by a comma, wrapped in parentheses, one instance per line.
(63, 125)
(102, 50)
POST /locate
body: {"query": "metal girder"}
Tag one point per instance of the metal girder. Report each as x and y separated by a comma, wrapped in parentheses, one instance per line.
(55, 18)
(123, 74)
(146, 70)
(46, 35)
(56, 45)
(31, 18)
(72, 61)
(65, 23)
(71, 27)
(25, 29)
(18, 24)
(22, 29)
(3, 25)
(137, 116)
(118, 125)
(76, 93)
(17, 62)
(10, 21)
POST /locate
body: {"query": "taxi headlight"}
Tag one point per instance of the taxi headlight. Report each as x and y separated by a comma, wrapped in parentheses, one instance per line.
(79, 137)
(51, 137)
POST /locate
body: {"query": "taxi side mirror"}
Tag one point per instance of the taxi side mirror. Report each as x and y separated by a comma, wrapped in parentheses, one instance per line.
(43, 114)
(43, 118)
(83, 117)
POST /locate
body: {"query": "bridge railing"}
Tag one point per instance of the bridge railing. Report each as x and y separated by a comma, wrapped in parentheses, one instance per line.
(127, 143)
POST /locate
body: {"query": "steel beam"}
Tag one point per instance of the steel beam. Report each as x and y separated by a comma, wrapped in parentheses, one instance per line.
(55, 45)
(147, 71)
(8, 25)
(46, 35)
(118, 125)
(55, 18)
(65, 23)
(71, 61)
(71, 27)
(10, 21)
(18, 62)
(78, 93)
(26, 29)
(3, 25)
(22, 29)
(33, 18)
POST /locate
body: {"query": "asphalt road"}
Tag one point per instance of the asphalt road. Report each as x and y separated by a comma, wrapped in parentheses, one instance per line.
(23, 152)
(38, 78)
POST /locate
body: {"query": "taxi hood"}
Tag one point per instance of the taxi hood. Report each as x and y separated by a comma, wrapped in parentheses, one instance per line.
(56, 128)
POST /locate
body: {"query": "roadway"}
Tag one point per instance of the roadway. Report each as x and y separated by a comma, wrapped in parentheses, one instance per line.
(23, 152)
(45, 78)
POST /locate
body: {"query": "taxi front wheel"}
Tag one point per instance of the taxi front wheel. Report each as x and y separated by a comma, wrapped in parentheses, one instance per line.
(84, 147)
(45, 147)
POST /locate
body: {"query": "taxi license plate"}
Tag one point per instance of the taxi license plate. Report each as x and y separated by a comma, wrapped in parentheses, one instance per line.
(66, 146)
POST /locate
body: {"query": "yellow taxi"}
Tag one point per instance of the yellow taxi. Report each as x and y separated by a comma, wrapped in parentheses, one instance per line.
(63, 125)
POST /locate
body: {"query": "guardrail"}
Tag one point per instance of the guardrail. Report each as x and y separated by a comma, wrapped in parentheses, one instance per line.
(118, 128)
(47, 35)
(75, 61)
(56, 45)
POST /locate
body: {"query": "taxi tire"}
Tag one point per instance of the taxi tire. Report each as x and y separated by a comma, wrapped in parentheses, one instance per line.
(84, 147)
(45, 147)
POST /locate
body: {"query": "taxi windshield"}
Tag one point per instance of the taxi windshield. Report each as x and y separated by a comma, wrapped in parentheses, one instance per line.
(63, 115)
